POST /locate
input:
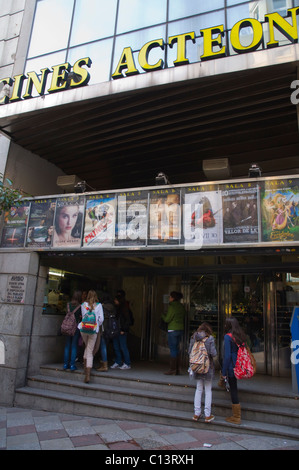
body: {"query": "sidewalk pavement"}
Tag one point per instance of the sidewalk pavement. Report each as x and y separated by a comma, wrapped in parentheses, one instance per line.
(25, 429)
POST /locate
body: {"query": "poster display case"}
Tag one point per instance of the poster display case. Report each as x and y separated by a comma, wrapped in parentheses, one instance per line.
(235, 213)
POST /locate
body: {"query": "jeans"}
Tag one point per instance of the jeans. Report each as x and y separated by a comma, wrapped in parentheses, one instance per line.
(233, 390)
(200, 385)
(103, 347)
(120, 347)
(174, 339)
(70, 350)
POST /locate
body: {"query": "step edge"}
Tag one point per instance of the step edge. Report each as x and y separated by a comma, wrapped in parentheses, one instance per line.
(250, 426)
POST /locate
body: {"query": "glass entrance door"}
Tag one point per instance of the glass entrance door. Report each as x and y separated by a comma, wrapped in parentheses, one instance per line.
(162, 286)
(204, 304)
(248, 307)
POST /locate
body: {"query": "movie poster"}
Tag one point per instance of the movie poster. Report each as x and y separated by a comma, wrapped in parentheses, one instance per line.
(131, 227)
(15, 224)
(100, 215)
(165, 217)
(40, 225)
(240, 213)
(202, 216)
(68, 222)
(280, 210)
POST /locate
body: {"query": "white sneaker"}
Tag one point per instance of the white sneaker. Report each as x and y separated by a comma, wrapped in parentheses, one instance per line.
(125, 366)
(115, 366)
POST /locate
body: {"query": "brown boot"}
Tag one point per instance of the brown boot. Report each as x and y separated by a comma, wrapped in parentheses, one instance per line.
(87, 375)
(172, 369)
(103, 367)
(236, 417)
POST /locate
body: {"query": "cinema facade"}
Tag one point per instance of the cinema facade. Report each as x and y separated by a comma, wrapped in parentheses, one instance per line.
(96, 100)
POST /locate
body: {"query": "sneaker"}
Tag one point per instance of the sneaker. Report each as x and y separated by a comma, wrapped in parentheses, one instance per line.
(115, 366)
(208, 419)
(125, 367)
(196, 417)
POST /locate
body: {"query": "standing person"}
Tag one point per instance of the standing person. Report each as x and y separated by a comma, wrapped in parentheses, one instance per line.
(229, 361)
(71, 345)
(91, 306)
(120, 342)
(204, 381)
(108, 309)
(175, 319)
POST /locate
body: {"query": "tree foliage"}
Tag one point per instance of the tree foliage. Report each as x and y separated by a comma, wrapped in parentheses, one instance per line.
(8, 195)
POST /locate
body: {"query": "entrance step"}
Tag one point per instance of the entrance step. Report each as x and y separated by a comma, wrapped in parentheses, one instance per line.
(157, 399)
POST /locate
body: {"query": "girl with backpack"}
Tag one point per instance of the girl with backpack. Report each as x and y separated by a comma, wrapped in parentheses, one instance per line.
(72, 339)
(234, 335)
(92, 318)
(204, 380)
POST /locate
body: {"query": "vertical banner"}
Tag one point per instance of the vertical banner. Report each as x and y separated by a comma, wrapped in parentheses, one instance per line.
(131, 227)
(280, 210)
(15, 224)
(41, 223)
(202, 216)
(100, 217)
(240, 213)
(165, 217)
(68, 222)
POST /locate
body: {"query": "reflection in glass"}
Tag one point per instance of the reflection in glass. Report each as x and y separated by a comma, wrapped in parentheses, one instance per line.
(247, 307)
(181, 8)
(45, 61)
(236, 14)
(204, 303)
(100, 53)
(136, 41)
(193, 51)
(89, 27)
(134, 14)
(51, 26)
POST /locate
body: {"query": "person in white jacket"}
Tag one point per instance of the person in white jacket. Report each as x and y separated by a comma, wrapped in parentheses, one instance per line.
(90, 332)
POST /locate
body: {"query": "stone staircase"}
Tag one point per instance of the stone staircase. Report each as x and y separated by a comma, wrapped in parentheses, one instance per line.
(144, 394)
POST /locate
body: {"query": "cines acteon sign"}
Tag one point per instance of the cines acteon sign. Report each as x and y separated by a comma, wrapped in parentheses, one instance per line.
(216, 42)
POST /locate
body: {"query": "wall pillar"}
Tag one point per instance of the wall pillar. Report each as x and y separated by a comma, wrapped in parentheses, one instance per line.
(18, 290)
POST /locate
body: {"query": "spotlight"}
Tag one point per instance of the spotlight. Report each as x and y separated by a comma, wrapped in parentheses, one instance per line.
(80, 187)
(254, 171)
(161, 179)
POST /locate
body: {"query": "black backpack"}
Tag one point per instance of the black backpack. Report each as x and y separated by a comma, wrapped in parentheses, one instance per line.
(111, 326)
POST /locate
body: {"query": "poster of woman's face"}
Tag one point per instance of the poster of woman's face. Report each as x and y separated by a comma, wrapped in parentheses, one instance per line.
(68, 222)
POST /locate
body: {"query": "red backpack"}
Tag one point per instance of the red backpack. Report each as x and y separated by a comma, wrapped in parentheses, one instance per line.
(245, 367)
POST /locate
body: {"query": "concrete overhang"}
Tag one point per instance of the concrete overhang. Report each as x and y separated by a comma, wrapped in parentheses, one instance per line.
(120, 133)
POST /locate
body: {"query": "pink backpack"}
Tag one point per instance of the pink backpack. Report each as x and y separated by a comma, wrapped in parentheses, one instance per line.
(245, 367)
(69, 324)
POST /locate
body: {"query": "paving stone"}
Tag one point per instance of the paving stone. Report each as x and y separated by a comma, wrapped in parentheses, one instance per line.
(52, 434)
(23, 442)
(57, 444)
(79, 427)
(48, 423)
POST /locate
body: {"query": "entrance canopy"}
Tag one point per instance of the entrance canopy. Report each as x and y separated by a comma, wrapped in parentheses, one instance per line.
(120, 134)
